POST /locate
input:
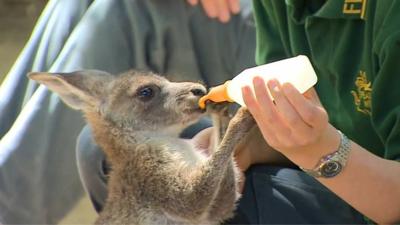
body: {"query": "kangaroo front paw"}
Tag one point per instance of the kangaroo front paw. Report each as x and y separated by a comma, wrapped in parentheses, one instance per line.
(241, 123)
(238, 128)
(242, 120)
(219, 108)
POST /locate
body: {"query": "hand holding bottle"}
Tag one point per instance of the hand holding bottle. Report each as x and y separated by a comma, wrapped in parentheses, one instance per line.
(293, 123)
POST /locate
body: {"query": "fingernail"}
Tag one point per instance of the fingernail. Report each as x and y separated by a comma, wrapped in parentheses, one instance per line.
(258, 81)
(235, 7)
(273, 85)
(287, 88)
(246, 89)
(193, 2)
(224, 18)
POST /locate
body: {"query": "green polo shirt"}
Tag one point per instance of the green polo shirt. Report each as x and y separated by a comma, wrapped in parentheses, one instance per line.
(354, 46)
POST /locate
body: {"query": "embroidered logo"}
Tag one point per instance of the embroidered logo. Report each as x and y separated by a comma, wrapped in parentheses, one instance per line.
(355, 7)
(362, 94)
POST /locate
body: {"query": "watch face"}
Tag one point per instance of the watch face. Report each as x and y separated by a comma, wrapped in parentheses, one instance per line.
(331, 169)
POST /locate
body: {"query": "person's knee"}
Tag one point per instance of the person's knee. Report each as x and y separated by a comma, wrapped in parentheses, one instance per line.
(92, 168)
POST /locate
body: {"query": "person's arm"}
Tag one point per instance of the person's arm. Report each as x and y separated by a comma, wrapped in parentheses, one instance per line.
(298, 127)
(369, 183)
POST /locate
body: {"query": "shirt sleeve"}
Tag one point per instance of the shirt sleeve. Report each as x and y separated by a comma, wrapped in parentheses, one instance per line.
(385, 98)
(269, 44)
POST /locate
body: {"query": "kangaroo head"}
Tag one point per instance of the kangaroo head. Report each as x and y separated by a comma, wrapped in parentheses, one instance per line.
(134, 100)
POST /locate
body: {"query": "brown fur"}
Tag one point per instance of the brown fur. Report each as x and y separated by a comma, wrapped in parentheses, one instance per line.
(156, 178)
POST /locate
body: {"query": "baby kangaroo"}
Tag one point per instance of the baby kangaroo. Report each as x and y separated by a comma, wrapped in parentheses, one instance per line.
(156, 178)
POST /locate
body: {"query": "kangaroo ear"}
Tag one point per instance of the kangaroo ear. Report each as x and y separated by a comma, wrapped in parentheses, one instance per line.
(79, 90)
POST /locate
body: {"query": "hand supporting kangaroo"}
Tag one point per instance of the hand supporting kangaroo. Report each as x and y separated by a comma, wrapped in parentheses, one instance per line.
(156, 177)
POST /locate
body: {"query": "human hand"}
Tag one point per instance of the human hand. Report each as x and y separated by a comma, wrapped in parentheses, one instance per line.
(221, 9)
(291, 123)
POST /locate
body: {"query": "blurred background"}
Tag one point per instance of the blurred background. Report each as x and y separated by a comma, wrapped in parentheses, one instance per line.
(17, 19)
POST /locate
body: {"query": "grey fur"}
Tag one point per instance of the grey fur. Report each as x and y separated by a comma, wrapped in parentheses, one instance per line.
(156, 177)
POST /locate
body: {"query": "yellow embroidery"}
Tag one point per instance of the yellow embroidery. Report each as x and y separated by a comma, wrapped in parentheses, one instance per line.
(362, 95)
(355, 7)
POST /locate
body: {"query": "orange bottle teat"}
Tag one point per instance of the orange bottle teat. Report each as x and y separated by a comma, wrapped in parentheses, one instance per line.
(216, 94)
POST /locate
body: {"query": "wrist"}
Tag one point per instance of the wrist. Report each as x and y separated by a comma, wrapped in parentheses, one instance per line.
(309, 156)
(332, 164)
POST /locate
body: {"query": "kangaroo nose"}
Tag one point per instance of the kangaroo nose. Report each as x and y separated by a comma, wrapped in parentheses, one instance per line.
(198, 92)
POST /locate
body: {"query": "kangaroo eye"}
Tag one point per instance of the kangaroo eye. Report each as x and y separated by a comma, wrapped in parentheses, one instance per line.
(145, 93)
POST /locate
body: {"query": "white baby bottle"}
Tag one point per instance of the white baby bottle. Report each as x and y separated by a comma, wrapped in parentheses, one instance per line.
(297, 70)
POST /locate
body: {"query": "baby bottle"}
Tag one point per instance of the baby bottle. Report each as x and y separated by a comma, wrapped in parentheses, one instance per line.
(297, 70)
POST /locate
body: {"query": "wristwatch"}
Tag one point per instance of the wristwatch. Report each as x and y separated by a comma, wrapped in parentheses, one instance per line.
(332, 164)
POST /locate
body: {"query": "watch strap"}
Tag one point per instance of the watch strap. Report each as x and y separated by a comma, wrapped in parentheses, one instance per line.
(337, 160)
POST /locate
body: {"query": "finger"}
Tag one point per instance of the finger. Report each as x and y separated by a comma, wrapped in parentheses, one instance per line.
(210, 8)
(193, 2)
(314, 115)
(234, 6)
(290, 115)
(253, 107)
(251, 102)
(223, 11)
(269, 110)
